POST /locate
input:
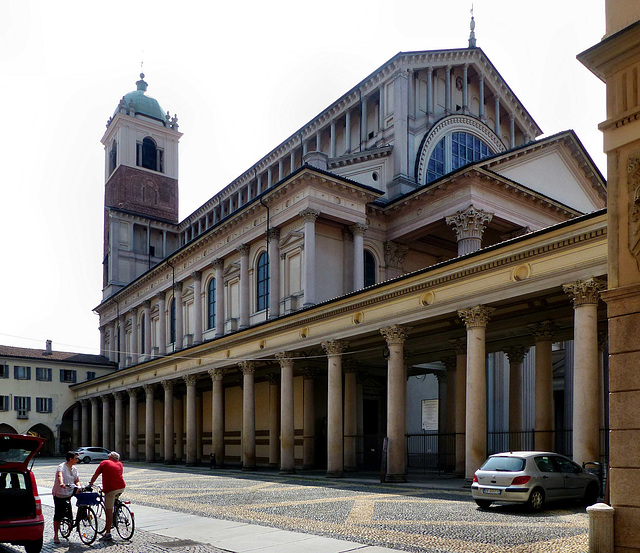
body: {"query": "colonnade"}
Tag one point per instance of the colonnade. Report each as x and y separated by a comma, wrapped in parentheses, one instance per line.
(466, 374)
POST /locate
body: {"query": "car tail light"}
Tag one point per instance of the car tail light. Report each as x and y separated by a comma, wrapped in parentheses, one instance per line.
(475, 478)
(520, 480)
(38, 505)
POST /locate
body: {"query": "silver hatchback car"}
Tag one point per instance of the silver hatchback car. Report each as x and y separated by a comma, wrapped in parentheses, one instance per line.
(534, 478)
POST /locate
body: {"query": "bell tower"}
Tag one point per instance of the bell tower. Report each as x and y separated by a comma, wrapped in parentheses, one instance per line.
(141, 187)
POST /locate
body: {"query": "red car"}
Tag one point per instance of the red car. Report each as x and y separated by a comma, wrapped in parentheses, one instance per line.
(21, 520)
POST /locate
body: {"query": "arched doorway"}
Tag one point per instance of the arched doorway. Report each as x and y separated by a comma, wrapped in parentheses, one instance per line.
(49, 447)
(7, 429)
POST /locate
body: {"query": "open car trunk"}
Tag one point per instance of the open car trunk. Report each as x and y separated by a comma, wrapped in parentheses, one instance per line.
(16, 495)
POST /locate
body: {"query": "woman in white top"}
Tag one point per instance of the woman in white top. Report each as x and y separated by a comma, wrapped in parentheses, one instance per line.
(63, 487)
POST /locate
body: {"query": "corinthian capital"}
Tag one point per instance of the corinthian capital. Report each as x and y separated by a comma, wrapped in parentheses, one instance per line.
(247, 367)
(516, 353)
(358, 229)
(545, 330)
(469, 223)
(285, 358)
(309, 215)
(334, 347)
(584, 292)
(395, 334)
(476, 317)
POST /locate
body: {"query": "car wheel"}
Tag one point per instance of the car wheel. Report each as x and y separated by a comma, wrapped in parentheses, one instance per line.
(536, 499)
(591, 494)
(86, 460)
(33, 546)
(483, 503)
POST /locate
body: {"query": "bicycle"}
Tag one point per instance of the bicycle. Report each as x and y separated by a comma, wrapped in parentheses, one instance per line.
(123, 518)
(86, 518)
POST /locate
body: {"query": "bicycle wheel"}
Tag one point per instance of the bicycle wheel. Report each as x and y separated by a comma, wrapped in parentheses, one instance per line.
(87, 525)
(66, 525)
(101, 517)
(124, 522)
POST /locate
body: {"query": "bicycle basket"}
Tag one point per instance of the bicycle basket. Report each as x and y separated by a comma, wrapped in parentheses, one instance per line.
(87, 498)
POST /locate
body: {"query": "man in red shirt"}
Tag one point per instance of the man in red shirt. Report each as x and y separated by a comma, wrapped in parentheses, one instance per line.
(112, 485)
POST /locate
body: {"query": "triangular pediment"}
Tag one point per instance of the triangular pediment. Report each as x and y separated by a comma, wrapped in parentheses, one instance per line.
(558, 168)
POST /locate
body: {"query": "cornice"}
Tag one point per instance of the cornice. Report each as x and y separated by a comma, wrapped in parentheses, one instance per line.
(367, 155)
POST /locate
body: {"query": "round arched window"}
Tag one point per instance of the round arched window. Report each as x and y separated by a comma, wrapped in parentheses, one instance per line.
(453, 151)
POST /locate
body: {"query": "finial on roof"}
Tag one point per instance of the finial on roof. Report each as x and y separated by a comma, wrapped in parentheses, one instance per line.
(141, 84)
(472, 34)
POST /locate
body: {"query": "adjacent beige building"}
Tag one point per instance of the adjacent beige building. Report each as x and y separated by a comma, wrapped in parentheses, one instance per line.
(35, 397)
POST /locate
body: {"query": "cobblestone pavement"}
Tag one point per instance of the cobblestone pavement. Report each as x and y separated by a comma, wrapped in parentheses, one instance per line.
(411, 518)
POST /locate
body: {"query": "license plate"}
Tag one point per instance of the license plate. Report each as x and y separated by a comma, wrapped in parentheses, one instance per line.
(492, 491)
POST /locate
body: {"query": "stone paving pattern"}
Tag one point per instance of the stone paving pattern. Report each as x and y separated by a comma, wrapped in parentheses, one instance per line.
(408, 517)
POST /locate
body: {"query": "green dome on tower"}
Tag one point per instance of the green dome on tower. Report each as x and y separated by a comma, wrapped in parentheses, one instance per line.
(142, 103)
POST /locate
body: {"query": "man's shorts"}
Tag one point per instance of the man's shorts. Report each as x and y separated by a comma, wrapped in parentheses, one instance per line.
(110, 498)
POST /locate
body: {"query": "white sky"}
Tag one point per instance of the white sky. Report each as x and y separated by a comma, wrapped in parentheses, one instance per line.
(242, 77)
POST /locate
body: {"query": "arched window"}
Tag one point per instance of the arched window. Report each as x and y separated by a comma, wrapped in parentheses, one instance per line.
(369, 268)
(142, 333)
(211, 304)
(172, 320)
(149, 156)
(454, 151)
(262, 282)
(113, 156)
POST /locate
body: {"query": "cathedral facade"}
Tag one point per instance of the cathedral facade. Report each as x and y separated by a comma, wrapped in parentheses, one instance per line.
(418, 225)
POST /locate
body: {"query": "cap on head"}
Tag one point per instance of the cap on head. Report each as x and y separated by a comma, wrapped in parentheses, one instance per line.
(114, 455)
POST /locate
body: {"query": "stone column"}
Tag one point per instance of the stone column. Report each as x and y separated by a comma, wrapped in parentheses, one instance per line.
(217, 415)
(274, 420)
(168, 421)
(191, 425)
(178, 427)
(119, 421)
(363, 123)
(95, 422)
(396, 403)
(146, 337)
(332, 140)
(177, 295)
(465, 88)
(512, 131)
(481, 114)
(287, 430)
(106, 420)
(85, 434)
(585, 295)
(274, 272)
(136, 339)
(218, 265)
(515, 355)
(122, 343)
(543, 428)
(75, 432)
(199, 423)
(447, 90)
(197, 307)
(441, 377)
(309, 217)
(133, 423)
(347, 132)
(469, 225)
(335, 436)
(429, 94)
(245, 296)
(449, 421)
(248, 415)
(149, 427)
(461, 404)
(358, 231)
(350, 415)
(496, 127)
(162, 322)
(476, 319)
(309, 422)
(400, 125)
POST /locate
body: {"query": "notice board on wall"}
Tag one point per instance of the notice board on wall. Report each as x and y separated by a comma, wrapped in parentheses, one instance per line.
(430, 414)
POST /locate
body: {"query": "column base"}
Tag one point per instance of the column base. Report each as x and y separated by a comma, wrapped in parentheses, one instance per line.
(334, 474)
(248, 469)
(395, 478)
(287, 471)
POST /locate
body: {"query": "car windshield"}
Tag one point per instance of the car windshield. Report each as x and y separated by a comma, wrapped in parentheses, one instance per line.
(504, 464)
